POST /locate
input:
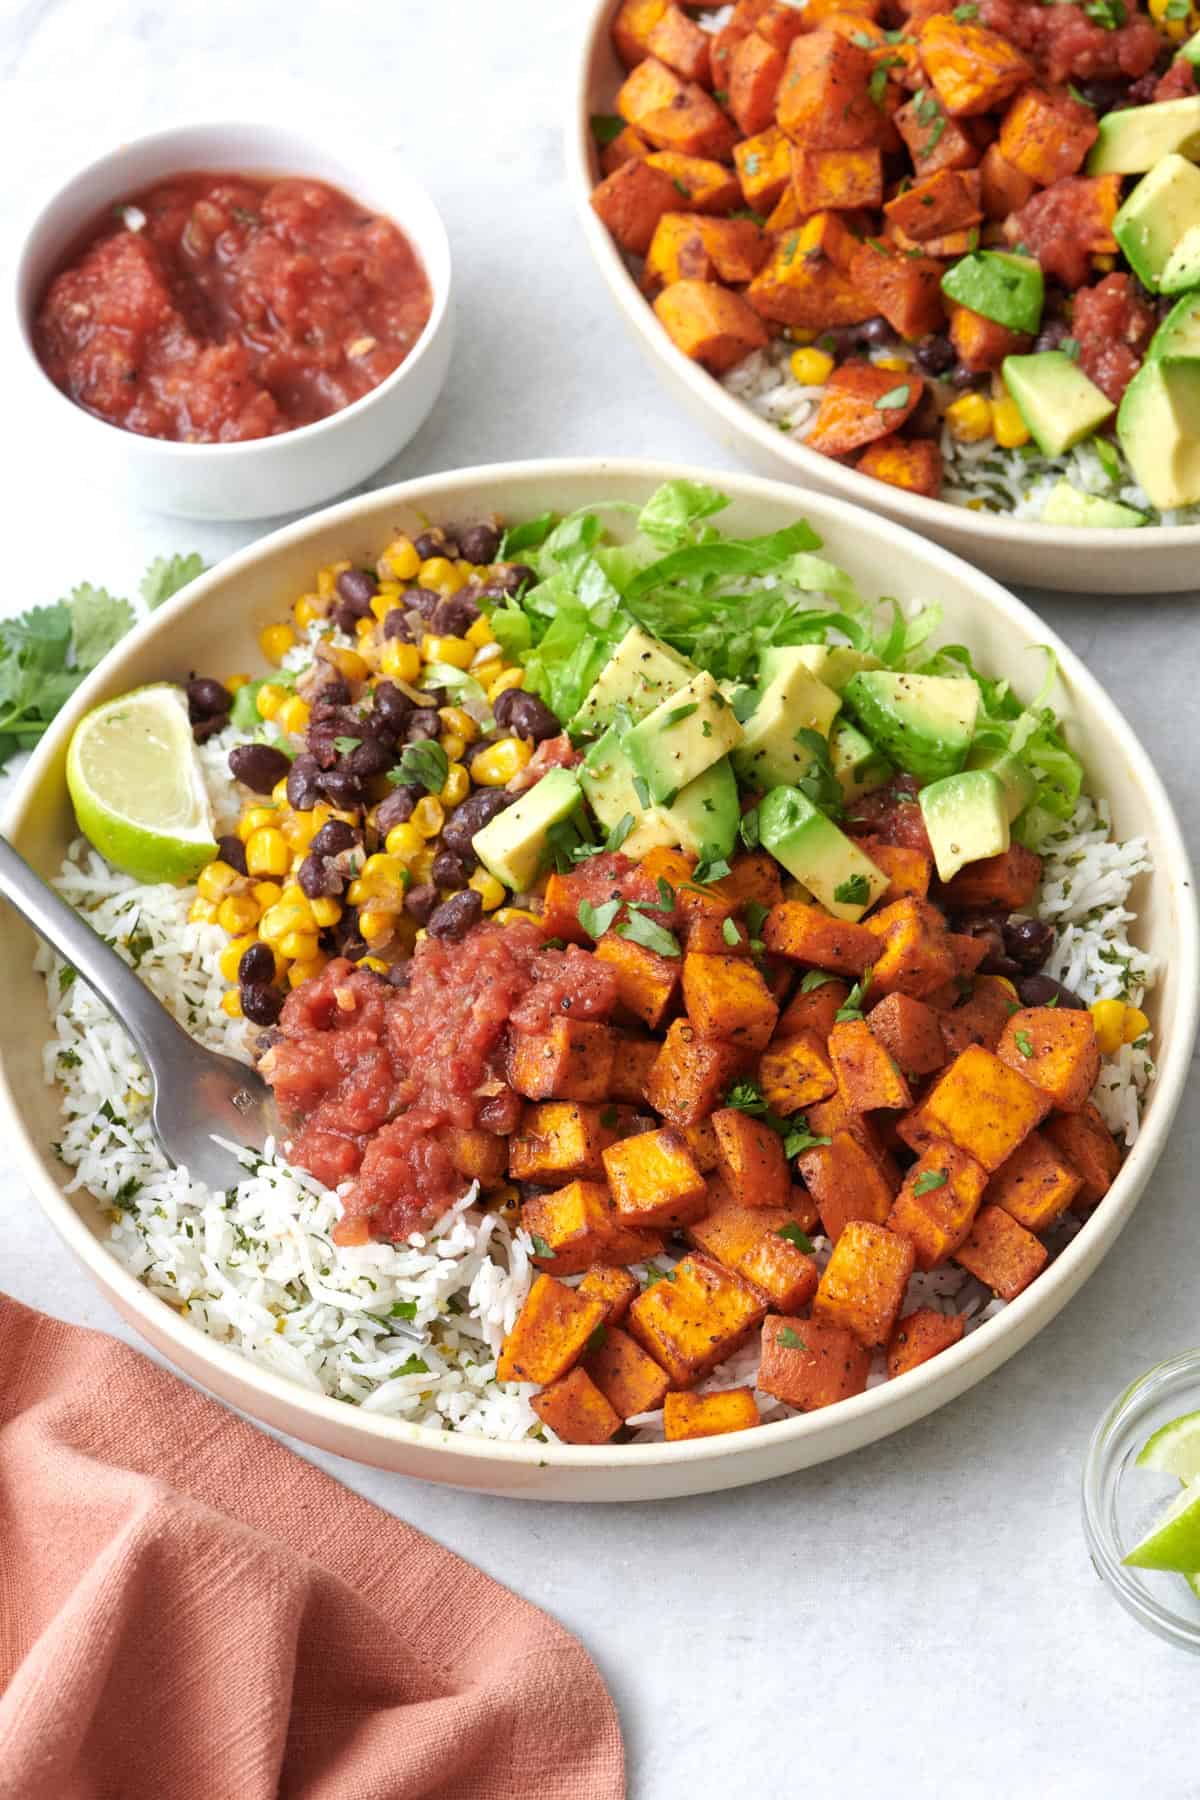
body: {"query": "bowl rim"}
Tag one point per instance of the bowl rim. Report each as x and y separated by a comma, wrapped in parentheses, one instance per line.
(733, 415)
(430, 240)
(1010, 1327)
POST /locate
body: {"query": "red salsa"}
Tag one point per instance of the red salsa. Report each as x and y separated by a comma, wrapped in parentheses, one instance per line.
(216, 308)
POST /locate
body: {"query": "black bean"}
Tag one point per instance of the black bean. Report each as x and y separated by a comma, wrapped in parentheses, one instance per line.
(333, 838)
(342, 788)
(961, 377)
(344, 929)
(320, 879)
(1103, 96)
(262, 1005)
(455, 615)
(479, 543)
(525, 715)
(206, 698)
(455, 916)
(203, 729)
(392, 706)
(399, 624)
(1051, 335)
(257, 965)
(1040, 990)
(371, 758)
(345, 618)
(397, 809)
(435, 542)
(475, 812)
(449, 870)
(509, 578)
(875, 332)
(423, 600)
(232, 851)
(420, 902)
(357, 588)
(422, 724)
(304, 784)
(334, 690)
(934, 355)
(354, 948)
(258, 766)
(1029, 942)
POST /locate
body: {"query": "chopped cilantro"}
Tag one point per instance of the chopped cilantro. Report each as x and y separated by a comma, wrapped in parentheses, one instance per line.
(894, 398)
(596, 920)
(620, 831)
(815, 978)
(799, 1138)
(1023, 1042)
(541, 1248)
(402, 1309)
(422, 765)
(790, 1339)
(748, 829)
(794, 1235)
(853, 1009)
(1070, 347)
(877, 84)
(344, 745)
(167, 574)
(638, 929)
(66, 976)
(414, 1366)
(606, 127)
(746, 1096)
(730, 932)
(932, 1178)
(756, 917)
(642, 789)
(710, 868)
(854, 891)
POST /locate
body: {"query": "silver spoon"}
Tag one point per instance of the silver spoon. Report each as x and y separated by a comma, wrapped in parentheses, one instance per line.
(198, 1094)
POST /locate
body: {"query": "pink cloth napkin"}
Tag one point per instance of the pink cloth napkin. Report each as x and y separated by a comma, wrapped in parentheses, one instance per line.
(190, 1612)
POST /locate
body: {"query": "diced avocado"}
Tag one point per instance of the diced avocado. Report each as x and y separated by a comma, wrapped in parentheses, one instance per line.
(1159, 215)
(858, 765)
(1159, 429)
(640, 673)
(686, 734)
(793, 701)
(833, 664)
(999, 285)
(924, 723)
(816, 852)
(966, 817)
(1132, 141)
(513, 845)
(1065, 505)
(1177, 338)
(1182, 272)
(1018, 784)
(606, 778)
(1055, 398)
(1190, 52)
(705, 815)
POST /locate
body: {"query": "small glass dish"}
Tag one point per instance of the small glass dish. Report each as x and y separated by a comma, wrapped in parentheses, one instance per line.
(1121, 1502)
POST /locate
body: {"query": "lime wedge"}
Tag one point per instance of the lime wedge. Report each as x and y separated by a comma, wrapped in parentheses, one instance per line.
(137, 789)
(1174, 1542)
(1174, 1448)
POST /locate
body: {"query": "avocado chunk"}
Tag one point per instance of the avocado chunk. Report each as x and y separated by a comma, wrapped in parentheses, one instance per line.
(514, 845)
(1019, 786)
(833, 664)
(1190, 52)
(1159, 429)
(1157, 218)
(772, 752)
(606, 778)
(1132, 141)
(924, 723)
(966, 816)
(684, 735)
(1182, 272)
(1055, 398)
(860, 768)
(1177, 338)
(639, 674)
(817, 853)
(1065, 505)
(998, 285)
(705, 815)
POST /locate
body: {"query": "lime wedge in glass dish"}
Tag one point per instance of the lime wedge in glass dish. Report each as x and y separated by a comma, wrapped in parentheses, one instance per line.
(1174, 1542)
(137, 789)
(1174, 1448)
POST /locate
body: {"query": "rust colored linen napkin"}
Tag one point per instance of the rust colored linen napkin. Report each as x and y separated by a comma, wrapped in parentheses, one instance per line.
(188, 1611)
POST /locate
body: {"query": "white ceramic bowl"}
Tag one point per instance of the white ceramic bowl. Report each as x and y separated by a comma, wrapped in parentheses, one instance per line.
(1155, 559)
(265, 476)
(213, 624)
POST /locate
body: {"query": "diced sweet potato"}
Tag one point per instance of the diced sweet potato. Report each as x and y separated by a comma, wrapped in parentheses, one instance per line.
(754, 1242)
(861, 403)
(934, 140)
(937, 1203)
(1055, 1048)
(708, 1415)
(910, 1032)
(807, 934)
(691, 1073)
(579, 1228)
(709, 323)
(837, 235)
(804, 1209)
(627, 146)
(755, 878)
(559, 1140)
(550, 1334)
(972, 70)
(913, 954)
(968, 952)
(908, 871)
(863, 1285)
(1036, 1184)
(682, 45)
(633, 1059)
(808, 1363)
(1089, 1146)
(818, 13)
(654, 1179)
(630, 1381)
(702, 185)
(613, 1288)
(560, 911)
(907, 291)
(795, 1072)
(1004, 883)
(701, 1140)
(743, 19)
(691, 123)
(814, 1007)
(981, 1017)
(631, 201)
(847, 1182)
(571, 1060)
(941, 202)
(677, 252)
(827, 1117)
(1001, 1253)
(647, 89)
(921, 1335)
(576, 1410)
(982, 345)
(693, 1322)
(867, 1077)
(764, 166)
(1047, 135)
(825, 97)
(632, 26)
(795, 288)
(755, 71)
(780, 22)
(479, 1155)
(981, 1105)
(914, 464)
(647, 983)
(836, 180)
(738, 247)
(750, 1158)
(1004, 190)
(726, 997)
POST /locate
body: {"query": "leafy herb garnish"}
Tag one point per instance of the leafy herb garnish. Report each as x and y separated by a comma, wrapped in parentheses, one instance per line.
(799, 1138)
(606, 127)
(541, 1247)
(167, 574)
(730, 932)
(641, 930)
(402, 1309)
(790, 1339)
(894, 398)
(344, 745)
(596, 920)
(854, 891)
(747, 1097)
(794, 1235)
(1023, 1042)
(932, 1178)
(748, 829)
(853, 1007)
(815, 978)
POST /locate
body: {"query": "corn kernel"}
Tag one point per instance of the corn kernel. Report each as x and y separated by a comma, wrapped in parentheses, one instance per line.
(327, 579)
(403, 840)
(267, 853)
(304, 971)
(441, 575)
(216, 880)
(374, 963)
(1134, 1024)
(381, 606)
(269, 699)
(428, 816)
(298, 946)
(307, 610)
(799, 334)
(498, 763)
(238, 914)
(326, 910)
(254, 819)
(453, 650)
(456, 786)
(379, 868)
(811, 368)
(490, 891)
(349, 664)
(1108, 1016)
(203, 912)
(970, 418)
(234, 682)
(233, 953)
(459, 720)
(401, 558)
(363, 628)
(512, 915)
(500, 684)
(293, 717)
(231, 1004)
(1176, 29)
(421, 867)
(1010, 428)
(357, 893)
(453, 745)
(299, 829)
(285, 917)
(267, 893)
(895, 365)
(399, 661)
(374, 925)
(480, 633)
(275, 641)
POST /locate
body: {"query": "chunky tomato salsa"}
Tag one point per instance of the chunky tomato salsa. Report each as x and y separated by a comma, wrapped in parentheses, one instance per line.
(216, 308)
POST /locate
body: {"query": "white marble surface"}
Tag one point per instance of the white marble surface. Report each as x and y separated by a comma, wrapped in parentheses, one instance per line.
(922, 1616)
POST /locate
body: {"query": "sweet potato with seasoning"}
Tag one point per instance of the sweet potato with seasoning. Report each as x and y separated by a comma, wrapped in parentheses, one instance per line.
(702, 185)
(550, 1334)
(738, 247)
(755, 71)
(907, 291)
(633, 1059)
(647, 89)
(742, 20)
(950, 244)
(908, 871)
(628, 146)
(615, 1289)
(867, 1078)
(1055, 1048)
(710, 324)
(630, 1381)
(1001, 1253)
(1047, 135)
(938, 203)
(937, 1203)
(921, 1335)
(579, 1228)
(677, 252)
(981, 343)
(913, 954)
(750, 1158)
(571, 1060)
(752, 879)
(817, 13)
(560, 1140)
(708, 1415)
(576, 1410)
(654, 1179)
(560, 911)
(968, 952)
(825, 96)
(808, 934)
(780, 22)
(914, 464)
(1004, 883)
(972, 70)
(934, 140)
(692, 123)
(748, 1240)
(694, 1321)
(981, 1018)
(647, 983)
(910, 1032)
(478, 1155)
(1089, 1146)
(795, 1072)
(981, 1105)
(836, 180)
(764, 166)
(682, 44)
(631, 201)
(847, 1182)
(691, 1073)
(837, 235)
(727, 998)
(827, 1117)
(862, 1287)
(1036, 1184)
(803, 289)
(632, 26)
(1003, 189)
(813, 1009)
(701, 1140)
(708, 935)
(861, 403)
(809, 1364)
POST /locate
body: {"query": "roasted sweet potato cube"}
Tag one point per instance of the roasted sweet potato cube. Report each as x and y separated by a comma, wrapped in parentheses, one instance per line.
(691, 1073)
(982, 345)
(750, 1158)
(981, 1017)
(809, 1363)
(579, 1227)
(627, 146)
(752, 878)
(1036, 1184)
(682, 44)
(615, 1289)
(913, 953)
(677, 252)
(944, 201)
(827, 13)
(754, 73)
(786, 1274)
(920, 1336)
(795, 288)
(861, 403)
(692, 123)
(808, 934)
(654, 1179)
(863, 1284)
(479, 1155)
(825, 96)
(630, 1381)
(981, 1105)
(702, 185)
(847, 1182)
(709, 323)
(935, 141)
(631, 201)
(914, 464)
(632, 26)
(867, 1077)
(743, 19)
(909, 871)
(836, 235)
(814, 1007)
(780, 22)
(795, 1072)
(647, 983)
(907, 291)
(764, 166)
(1004, 189)
(910, 1032)
(692, 1323)
(633, 1059)
(937, 1203)
(837, 180)
(1055, 1048)
(560, 1140)
(804, 1209)
(738, 247)
(1004, 883)
(647, 89)
(708, 1415)
(759, 1243)
(576, 1410)
(571, 1060)
(560, 910)
(707, 936)
(833, 1115)
(726, 997)
(550, 1334)
(968, 952)
(1089, 1146)
(1047, 135)
(972, 70)
(1001, 1253)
